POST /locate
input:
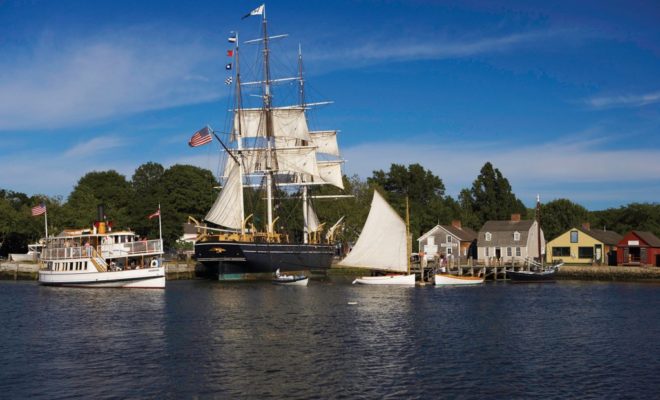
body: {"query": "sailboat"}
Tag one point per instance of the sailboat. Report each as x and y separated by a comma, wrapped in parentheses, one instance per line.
(538, 272)
(271, 147)
(383, 245)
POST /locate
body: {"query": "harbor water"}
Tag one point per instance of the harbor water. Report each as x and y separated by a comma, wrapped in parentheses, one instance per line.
(204, 339)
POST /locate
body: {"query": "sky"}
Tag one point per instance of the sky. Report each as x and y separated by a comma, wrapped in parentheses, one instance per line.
(562, 97)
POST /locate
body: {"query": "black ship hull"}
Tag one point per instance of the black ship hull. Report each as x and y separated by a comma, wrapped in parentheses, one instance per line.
(247, 260)
(531, 277)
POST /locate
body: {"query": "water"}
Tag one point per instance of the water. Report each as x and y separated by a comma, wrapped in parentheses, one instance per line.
(201, 339)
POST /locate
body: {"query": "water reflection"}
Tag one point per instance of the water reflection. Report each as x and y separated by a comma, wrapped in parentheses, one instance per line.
(215, 340)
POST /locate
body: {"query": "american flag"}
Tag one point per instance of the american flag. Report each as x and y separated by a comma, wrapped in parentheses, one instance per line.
(201, 137)
(154, 215)
(228, 80)
(38, 210)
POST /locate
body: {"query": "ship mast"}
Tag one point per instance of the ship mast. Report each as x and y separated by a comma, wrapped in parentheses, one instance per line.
(538, 227)
(267, 110)
(239, 134)
(301, 93)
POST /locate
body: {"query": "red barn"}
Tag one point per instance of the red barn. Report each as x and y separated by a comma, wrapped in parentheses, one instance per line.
(639, 248)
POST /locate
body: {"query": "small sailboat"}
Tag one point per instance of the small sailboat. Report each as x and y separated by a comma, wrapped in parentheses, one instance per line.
(538, 272)
(445, 279)
(383, 245)
(290, 280)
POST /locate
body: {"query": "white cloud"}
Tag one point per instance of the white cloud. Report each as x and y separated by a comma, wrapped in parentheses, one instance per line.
(628, 100)
(81, 80)
(438, 47)
(95, 146)
(578, 169)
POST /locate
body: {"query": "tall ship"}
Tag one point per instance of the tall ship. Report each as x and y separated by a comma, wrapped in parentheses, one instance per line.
(271, 156)
(101, 257)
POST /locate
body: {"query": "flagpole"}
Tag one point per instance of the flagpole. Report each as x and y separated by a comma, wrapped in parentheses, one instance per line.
(46, 222)
(160, 226)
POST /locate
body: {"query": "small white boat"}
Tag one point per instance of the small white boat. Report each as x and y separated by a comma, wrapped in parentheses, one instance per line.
(447, 280)
(407, 280)
(290, 280)
(34, 251)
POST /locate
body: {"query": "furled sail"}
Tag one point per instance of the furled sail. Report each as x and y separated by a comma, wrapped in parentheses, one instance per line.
(227, 209)
(325, 142)
(288, 122)
(382, 244)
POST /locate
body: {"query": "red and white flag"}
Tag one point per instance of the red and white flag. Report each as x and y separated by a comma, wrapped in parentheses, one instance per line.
(38, 210)
(154, 215)
(201, 137)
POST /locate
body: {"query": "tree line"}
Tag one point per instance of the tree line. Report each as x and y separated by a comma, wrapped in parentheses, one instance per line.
(184, 190)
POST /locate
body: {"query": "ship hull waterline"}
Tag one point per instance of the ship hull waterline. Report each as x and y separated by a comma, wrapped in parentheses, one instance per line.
(247, 260)
(151, 278)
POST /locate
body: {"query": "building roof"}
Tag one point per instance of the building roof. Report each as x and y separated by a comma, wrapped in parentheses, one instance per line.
(607, 237)
(502, 233)
(463, 234)
(648, 237)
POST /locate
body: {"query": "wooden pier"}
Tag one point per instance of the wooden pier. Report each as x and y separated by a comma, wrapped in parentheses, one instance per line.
(494, 271)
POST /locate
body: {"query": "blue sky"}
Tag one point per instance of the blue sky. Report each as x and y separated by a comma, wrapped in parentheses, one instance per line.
(563, 98)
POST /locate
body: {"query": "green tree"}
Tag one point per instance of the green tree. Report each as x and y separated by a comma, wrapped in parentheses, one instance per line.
(635, 216)
(147, 188)
(187, 191)
(107, 188)
(490, 198)
(560, 215)
(426, 194)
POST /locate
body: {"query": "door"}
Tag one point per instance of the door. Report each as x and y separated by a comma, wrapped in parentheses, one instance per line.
(498, 253)
(611, 259)
(657, 260)
(598, 253)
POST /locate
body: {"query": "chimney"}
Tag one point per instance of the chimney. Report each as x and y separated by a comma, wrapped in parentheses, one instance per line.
(515, 217)
(456, 223)
(586, 226)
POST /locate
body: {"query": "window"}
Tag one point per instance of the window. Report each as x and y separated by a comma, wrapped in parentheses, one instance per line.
(487, 252)
(586, 252)
(561, 251)
(508, 251)
(574, 236)
(517, 251)
(516, 236)
(488, 236)
(448, 239)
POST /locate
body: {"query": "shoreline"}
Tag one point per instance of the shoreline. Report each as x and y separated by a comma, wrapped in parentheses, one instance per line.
(185, 270)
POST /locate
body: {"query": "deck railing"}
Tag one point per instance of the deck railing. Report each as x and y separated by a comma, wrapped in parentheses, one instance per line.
(113, 250)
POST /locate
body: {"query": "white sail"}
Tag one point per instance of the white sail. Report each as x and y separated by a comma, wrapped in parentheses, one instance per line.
(313, 224)
(226, 211)
(300, 160)
(382, 244)
(329, 172)
(325, 142)
(288, 122)
(297, 159)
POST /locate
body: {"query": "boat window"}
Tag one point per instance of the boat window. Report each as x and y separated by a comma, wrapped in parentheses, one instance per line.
(488, 236)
